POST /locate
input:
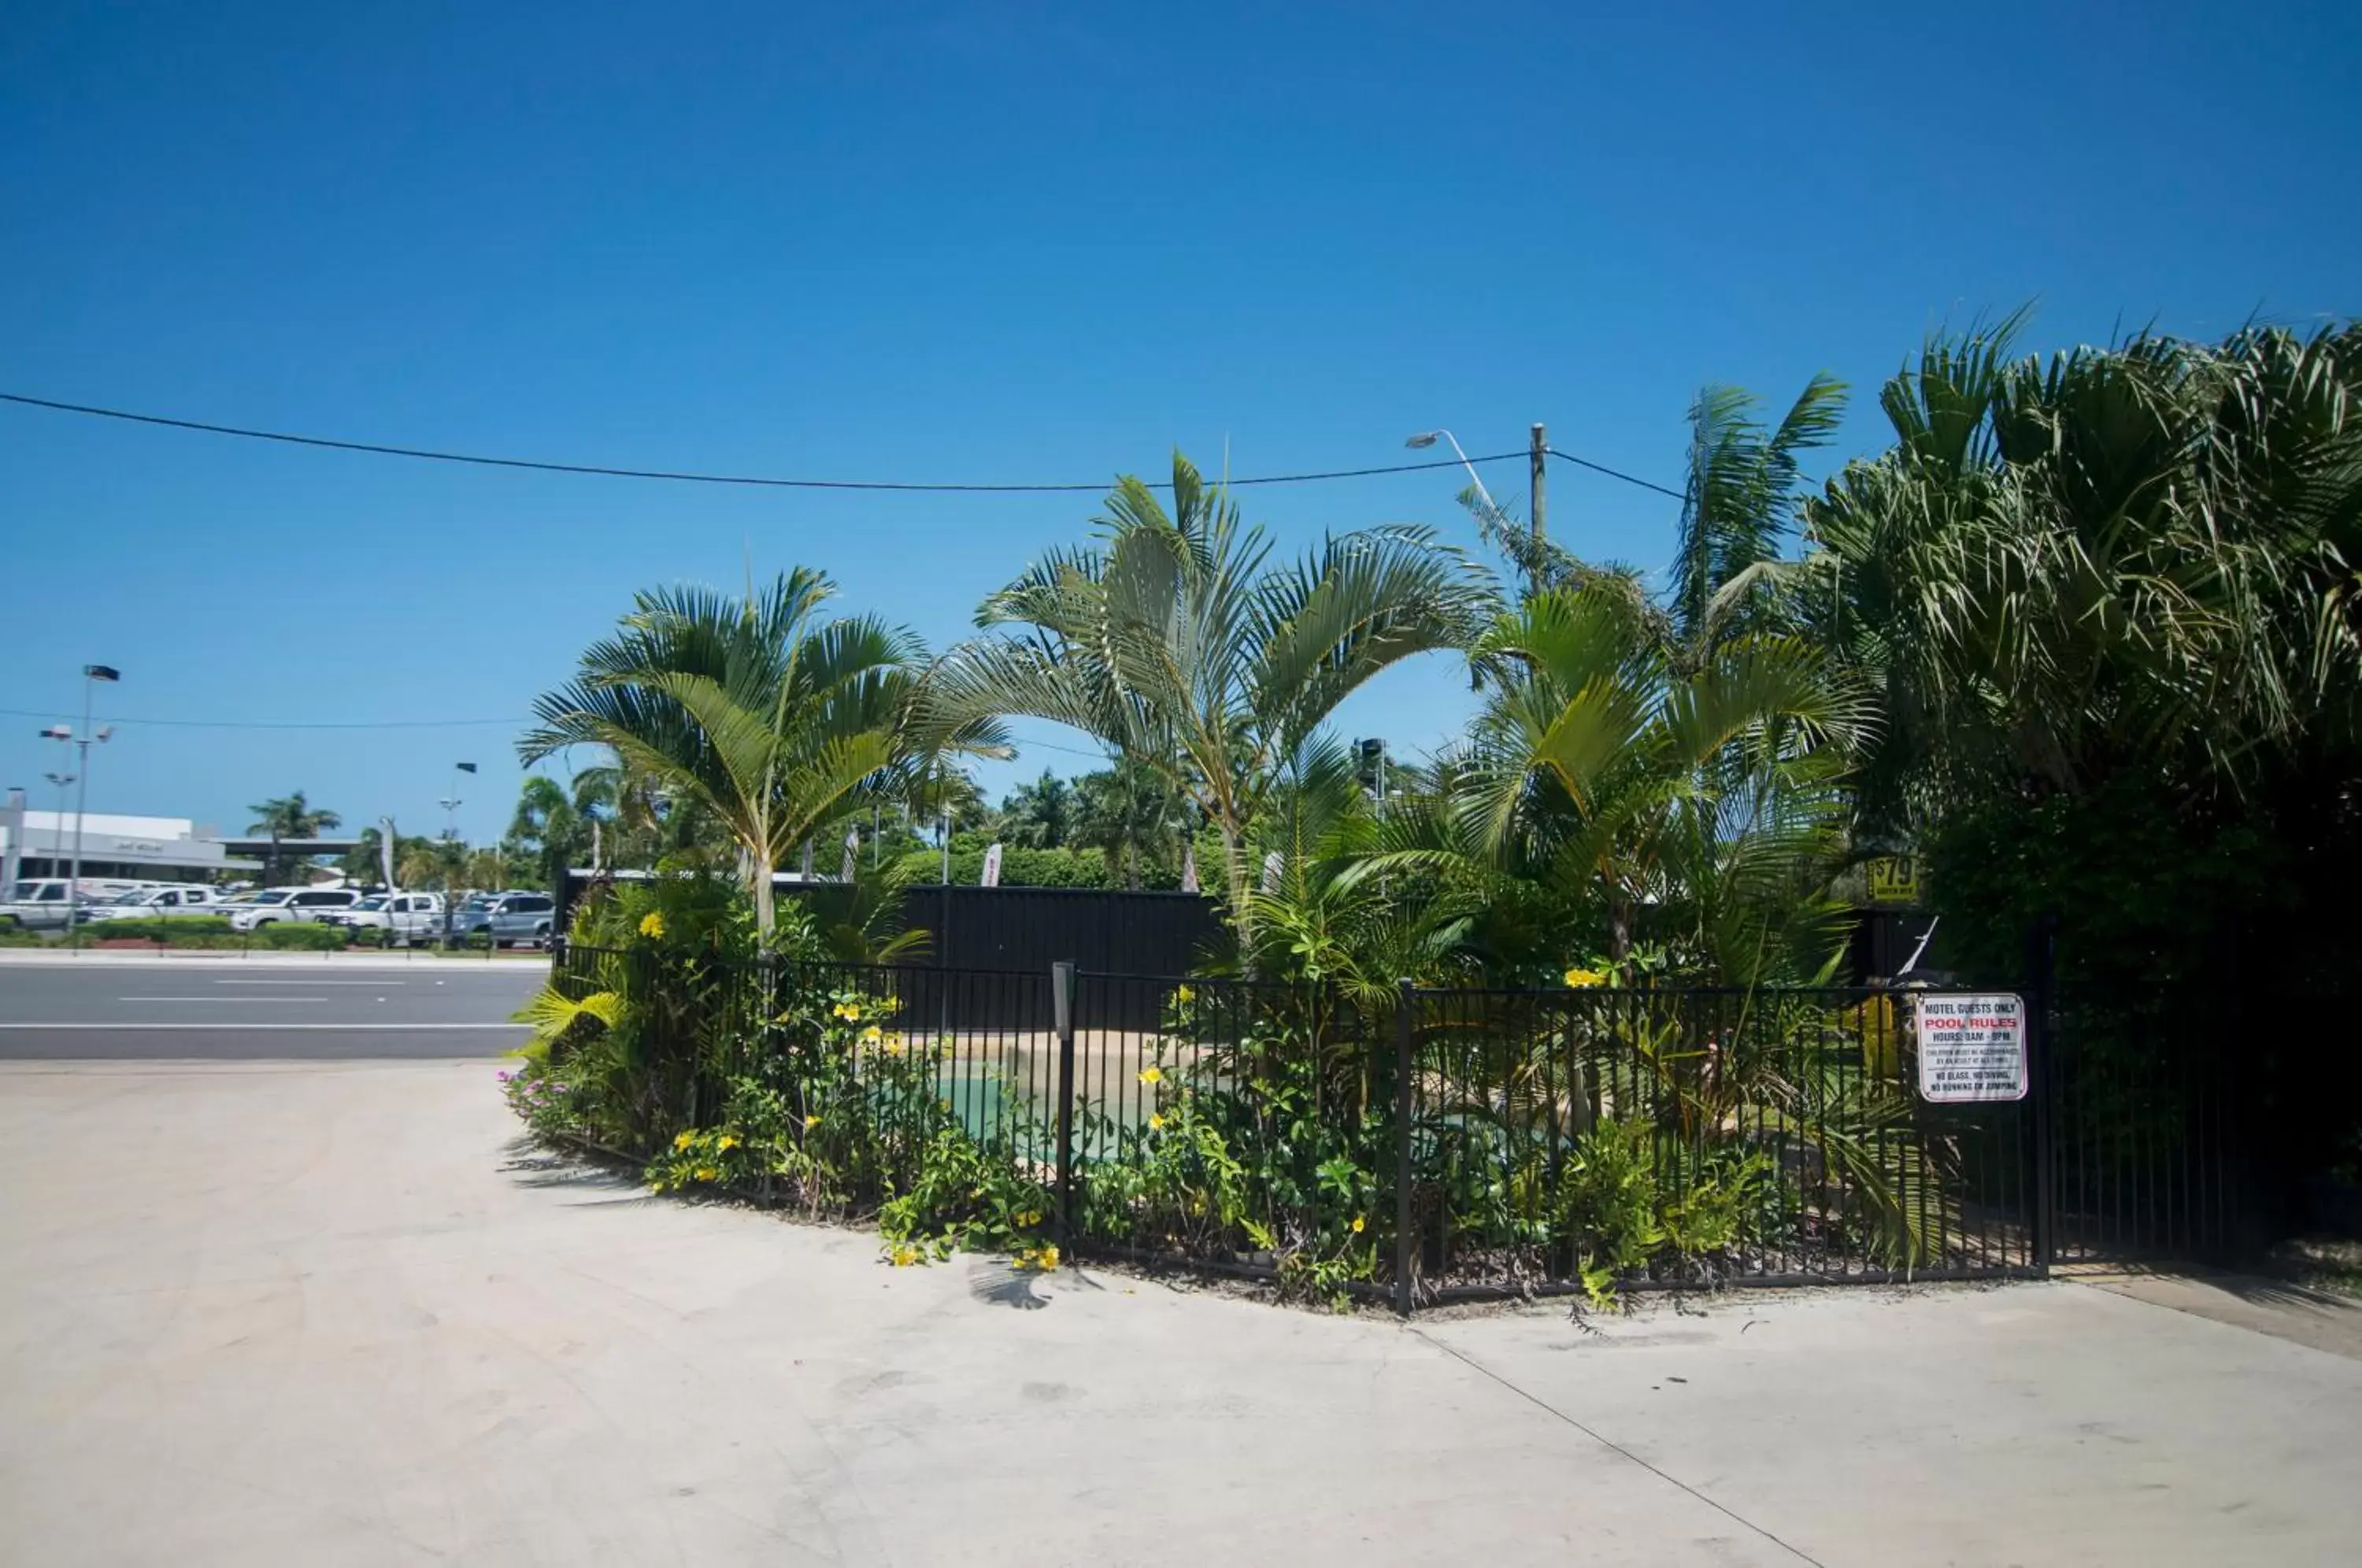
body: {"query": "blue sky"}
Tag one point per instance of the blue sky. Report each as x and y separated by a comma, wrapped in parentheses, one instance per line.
(1000, 243)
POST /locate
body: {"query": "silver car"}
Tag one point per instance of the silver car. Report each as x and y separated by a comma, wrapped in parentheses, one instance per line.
(506, 918)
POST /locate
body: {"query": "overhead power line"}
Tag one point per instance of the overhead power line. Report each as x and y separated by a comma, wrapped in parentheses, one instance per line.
(282, 725)
(597, 470)
(404, 725)
(1611, 474)
(765, 481)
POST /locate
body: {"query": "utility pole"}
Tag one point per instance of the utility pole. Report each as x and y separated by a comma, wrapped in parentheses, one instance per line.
(1538, 475)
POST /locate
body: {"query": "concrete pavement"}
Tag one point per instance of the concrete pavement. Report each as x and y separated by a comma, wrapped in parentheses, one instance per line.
(298, 1313)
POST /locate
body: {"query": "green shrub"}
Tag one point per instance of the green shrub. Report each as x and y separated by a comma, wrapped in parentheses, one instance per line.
(158, 928)
(301, 936)
(1020, 868)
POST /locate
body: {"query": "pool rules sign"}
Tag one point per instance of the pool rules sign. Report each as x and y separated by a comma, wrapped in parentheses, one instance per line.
(1971, 1047)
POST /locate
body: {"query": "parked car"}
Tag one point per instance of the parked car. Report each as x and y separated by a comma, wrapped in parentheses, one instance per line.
(40, 904)
(406, 918)
(273, 905)
(506, 918)
(144, 903)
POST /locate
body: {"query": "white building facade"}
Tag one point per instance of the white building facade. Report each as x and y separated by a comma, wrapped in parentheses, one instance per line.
(157, 849)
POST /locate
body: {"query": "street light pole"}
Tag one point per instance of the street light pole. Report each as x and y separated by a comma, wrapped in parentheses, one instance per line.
(64, 781)
(1427, 438)
(92, 674)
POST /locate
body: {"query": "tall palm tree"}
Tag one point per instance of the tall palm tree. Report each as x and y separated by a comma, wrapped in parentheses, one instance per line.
(288, 817)
(770, 717)
(1178, 643)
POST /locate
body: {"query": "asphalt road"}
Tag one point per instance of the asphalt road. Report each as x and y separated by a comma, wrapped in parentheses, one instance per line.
(99, 1010)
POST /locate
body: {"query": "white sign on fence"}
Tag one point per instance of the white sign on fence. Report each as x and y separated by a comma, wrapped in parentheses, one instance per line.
(991, 877)
(1972, 1048)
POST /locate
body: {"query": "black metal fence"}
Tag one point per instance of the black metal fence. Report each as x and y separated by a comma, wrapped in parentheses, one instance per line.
(1426, 1146)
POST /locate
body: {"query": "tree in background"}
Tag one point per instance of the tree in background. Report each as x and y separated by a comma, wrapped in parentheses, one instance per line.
(1178, 644)
(433, 865)
(552, 828)
(1133, 816)
(286, 818)
(776, 720)
(1039, 815)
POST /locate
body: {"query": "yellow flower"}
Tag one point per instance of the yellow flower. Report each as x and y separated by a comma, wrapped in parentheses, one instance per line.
(872, 1035)
(684, 1141)
(724, 1143)
(1184, 995)
(652, 924)
(811, 1123)
(1357, 1224)
(1156, 1124)
(707, 1172)
(1584, 979)
(1047, 1258)
(905, 1256)
(1152, 1075)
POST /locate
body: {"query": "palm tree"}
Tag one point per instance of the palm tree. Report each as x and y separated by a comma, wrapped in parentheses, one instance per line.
(1131, 814)
(431, 863)
(288, 817)
(767, 716)
(1177, 642)
(548, 826)
(2072, 570)
(1601, 760)
(1040, 815)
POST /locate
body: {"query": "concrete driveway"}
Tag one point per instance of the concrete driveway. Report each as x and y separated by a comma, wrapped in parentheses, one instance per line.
(293, 1312)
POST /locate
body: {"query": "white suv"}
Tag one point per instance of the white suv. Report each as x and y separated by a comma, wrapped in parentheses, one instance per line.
(294, 904)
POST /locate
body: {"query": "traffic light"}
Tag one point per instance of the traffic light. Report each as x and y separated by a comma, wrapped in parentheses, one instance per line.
(1370, 764)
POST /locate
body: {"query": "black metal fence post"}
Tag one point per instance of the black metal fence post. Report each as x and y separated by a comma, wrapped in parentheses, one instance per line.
(2042, 962)
(1062, 1013)
(1404, 997)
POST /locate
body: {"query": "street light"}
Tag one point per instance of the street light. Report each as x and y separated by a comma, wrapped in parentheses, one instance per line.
(1427, 438)
(92, 674)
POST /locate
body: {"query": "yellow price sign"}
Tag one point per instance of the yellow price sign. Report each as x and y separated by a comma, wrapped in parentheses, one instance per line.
(1894, 880)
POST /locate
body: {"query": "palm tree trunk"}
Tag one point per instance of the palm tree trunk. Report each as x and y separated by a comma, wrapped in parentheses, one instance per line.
(1234, 872)
(765, 913)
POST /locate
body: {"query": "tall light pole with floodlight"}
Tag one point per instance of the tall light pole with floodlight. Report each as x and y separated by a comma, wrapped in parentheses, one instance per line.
(92, 674)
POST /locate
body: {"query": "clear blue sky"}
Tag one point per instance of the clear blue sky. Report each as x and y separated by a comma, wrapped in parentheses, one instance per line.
(993, 242)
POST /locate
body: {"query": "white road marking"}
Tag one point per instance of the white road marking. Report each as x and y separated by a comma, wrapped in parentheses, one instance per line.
(239, 999)
(328, 1028)
(311, 982)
